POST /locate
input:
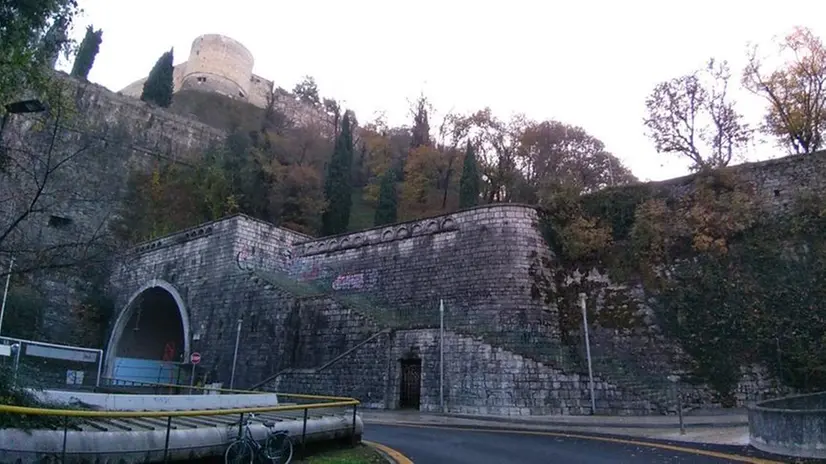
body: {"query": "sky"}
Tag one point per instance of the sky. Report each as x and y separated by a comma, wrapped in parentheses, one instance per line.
(589, 63)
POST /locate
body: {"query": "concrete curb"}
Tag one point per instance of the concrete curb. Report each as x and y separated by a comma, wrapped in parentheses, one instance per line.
(386, 456)
(390, 455)
(735, 422)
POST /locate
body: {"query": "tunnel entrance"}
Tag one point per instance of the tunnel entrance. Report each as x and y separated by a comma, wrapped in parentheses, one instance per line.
(411, 383)
(149, 340)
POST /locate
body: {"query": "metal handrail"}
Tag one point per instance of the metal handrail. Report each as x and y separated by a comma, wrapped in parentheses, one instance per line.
(336, 402)
(173, 413)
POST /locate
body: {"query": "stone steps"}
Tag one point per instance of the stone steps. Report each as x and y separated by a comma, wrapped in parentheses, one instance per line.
(547, 355)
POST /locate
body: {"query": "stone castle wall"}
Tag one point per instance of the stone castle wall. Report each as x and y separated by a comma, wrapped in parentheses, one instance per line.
(97, 147)
(223, 65)
(219, 64)
(477, 261)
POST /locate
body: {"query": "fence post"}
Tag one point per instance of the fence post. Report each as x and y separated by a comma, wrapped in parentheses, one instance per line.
(355, 409)
(166, 446)
(304, 434)
(65, 436)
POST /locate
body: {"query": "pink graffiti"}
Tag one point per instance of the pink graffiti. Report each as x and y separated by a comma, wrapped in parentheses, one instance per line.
(349, 282)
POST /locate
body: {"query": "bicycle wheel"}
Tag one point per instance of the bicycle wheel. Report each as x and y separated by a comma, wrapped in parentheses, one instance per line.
(239, 452)
(279, 448)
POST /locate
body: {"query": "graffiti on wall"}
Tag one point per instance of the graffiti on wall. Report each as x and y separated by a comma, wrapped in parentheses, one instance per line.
(349, 282)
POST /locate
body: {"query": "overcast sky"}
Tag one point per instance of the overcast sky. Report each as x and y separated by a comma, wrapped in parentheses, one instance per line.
(585, 62)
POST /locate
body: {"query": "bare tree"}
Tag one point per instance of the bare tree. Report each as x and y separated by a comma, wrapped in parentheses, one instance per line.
(795, 92)
(693, 116)
(44, 174)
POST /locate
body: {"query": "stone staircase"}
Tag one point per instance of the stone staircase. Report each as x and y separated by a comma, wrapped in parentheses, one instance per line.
(546, 352)
(325, 365)
(513, 384)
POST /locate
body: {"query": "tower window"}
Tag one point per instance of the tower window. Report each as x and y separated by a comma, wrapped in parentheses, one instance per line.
(202, 79)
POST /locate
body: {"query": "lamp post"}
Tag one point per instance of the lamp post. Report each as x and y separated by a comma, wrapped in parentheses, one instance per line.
(18, 107)
(21, 107)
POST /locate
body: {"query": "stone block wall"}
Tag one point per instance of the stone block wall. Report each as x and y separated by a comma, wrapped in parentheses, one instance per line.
(96, 147)
(135, 89)
(219, 64)
(477, 261)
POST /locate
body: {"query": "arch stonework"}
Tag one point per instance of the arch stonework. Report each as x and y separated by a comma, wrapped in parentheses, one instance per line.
(126, 314)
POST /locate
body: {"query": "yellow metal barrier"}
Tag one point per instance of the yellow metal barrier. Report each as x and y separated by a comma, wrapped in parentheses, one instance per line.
(330, 402)
(298, 396)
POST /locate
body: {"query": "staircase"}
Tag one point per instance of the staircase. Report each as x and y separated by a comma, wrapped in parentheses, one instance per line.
(322, 367)
(546, 353)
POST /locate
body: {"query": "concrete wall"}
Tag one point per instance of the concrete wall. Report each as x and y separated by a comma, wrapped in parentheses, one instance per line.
(126, 402)
(791, 426)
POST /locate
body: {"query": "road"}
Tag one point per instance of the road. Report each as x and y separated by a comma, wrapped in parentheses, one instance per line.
(445, 445)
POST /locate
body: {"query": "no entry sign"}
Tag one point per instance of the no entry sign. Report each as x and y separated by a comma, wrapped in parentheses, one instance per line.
(195, 358)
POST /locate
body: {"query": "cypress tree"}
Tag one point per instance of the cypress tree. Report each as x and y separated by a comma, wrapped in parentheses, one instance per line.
(386, 211)
(86, 53)
(338, 186)
(158, 87)
(469, 182)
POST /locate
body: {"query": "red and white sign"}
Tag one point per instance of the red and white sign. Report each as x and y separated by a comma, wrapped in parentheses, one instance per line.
(195, 358)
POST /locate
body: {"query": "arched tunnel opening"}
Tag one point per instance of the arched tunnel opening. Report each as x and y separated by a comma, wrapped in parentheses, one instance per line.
(151, 344)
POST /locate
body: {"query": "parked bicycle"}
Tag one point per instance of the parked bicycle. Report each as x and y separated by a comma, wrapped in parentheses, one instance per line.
(277, 448)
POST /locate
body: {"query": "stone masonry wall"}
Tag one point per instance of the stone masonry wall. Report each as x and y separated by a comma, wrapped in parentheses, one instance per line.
(96, 147)
(477, 261)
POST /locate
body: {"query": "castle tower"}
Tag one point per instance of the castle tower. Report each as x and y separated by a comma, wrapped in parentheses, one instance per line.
(219, 64)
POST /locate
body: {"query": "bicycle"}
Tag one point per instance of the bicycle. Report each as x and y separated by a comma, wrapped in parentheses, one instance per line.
(278, 447)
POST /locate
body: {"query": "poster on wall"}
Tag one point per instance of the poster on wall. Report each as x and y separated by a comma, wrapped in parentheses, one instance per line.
(74, 377)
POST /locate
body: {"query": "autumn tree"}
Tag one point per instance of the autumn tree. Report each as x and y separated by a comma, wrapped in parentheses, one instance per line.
(85, 58)
(497, 144)
(469, 182)
(307, 91)
(159, 86)
(551, 152)
(420, 193)
(338, 183)
(172, 197)
(694, 116)
(795, 92)
(386, 210)
(22, 28)
(296, 196)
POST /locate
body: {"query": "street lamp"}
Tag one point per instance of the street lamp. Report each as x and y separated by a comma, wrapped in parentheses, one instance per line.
(18, 107)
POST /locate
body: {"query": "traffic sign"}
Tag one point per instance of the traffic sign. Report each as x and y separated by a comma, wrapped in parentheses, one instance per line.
(195, 358)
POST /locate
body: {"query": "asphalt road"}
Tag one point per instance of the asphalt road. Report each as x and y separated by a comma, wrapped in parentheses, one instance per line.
(459, 446)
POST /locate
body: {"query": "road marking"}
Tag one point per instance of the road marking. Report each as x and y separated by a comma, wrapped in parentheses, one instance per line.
(701, 452)
(394, 455)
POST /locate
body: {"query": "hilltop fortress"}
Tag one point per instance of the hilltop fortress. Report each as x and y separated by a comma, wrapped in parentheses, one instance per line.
(222, 65)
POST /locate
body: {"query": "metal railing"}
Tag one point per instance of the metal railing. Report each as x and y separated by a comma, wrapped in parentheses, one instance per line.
(55, 359)
(72, 416)
(609, 364)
